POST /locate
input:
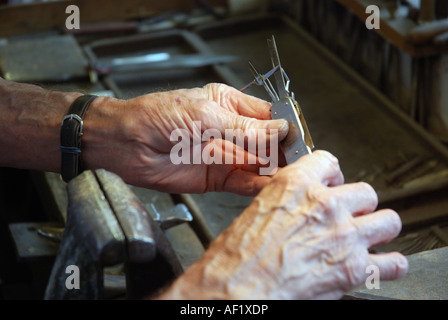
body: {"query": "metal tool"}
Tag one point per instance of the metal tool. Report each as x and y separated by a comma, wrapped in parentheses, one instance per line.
(298, 142)
(108, 225)
(160, 61)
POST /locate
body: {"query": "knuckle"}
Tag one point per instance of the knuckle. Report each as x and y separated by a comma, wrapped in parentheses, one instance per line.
(331, 158)
(402, 265)
(282, 177)
(369, 190)
(322, 198)
(295, 175)
(354, 271)
(214, 90)
(245, 123)
(394, 223)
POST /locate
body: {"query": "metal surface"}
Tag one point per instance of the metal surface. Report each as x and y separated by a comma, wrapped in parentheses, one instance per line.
(160, 61)
(92, 240)
(130, 213)
(108, 225)
(175, 216)
(427, 279)
(52, 58)
(174, 42)
(293, 145)
(150, 261)
(29, 244)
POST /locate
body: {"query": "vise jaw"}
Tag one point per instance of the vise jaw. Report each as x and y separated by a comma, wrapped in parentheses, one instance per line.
(107, 225)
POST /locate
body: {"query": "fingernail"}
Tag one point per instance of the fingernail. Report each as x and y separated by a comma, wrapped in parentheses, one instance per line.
(403, 262)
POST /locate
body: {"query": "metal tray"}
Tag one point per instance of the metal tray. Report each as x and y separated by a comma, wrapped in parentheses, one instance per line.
(173, 42)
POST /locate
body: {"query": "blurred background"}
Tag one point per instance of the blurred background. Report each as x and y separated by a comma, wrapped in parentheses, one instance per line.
(375, 98)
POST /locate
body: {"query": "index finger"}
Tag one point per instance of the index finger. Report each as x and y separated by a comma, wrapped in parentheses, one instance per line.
(322, 165)
(239, 102)
(250, 106)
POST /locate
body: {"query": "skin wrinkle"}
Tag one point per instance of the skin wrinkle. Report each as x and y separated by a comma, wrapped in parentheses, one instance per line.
(239, 106)
(214, 93)
(314, 261)
(231, 174)
(128, 139)
(354, 272)
(207, 178)
(226, 266)
(334, 176)
(161, 123)
(239, 286)
(319, 257)
(260, 247)
(237, 169)
(326, 280)
(222, 97)
(227, 177)
(219, 96)
(158, 121)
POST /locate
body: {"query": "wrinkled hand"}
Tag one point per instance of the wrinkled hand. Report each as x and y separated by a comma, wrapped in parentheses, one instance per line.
(140, 154)
(305, 236)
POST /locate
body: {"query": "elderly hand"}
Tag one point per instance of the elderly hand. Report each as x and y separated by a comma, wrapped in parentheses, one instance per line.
(134, 139)
(305, 236)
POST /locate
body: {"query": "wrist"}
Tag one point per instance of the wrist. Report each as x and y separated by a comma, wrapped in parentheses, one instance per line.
(102, 133)
(55, 105)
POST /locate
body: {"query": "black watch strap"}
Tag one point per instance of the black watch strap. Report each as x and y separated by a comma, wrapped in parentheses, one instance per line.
(71, 132)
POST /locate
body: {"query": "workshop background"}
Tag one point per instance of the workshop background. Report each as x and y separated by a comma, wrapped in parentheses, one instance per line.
(375, 98)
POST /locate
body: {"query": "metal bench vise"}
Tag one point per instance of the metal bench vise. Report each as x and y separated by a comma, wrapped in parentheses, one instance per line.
(108, 225)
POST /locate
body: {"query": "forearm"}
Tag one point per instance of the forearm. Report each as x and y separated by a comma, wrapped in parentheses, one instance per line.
(30, 124)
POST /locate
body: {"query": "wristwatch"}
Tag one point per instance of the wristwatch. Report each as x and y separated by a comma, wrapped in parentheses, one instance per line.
(71, 132)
